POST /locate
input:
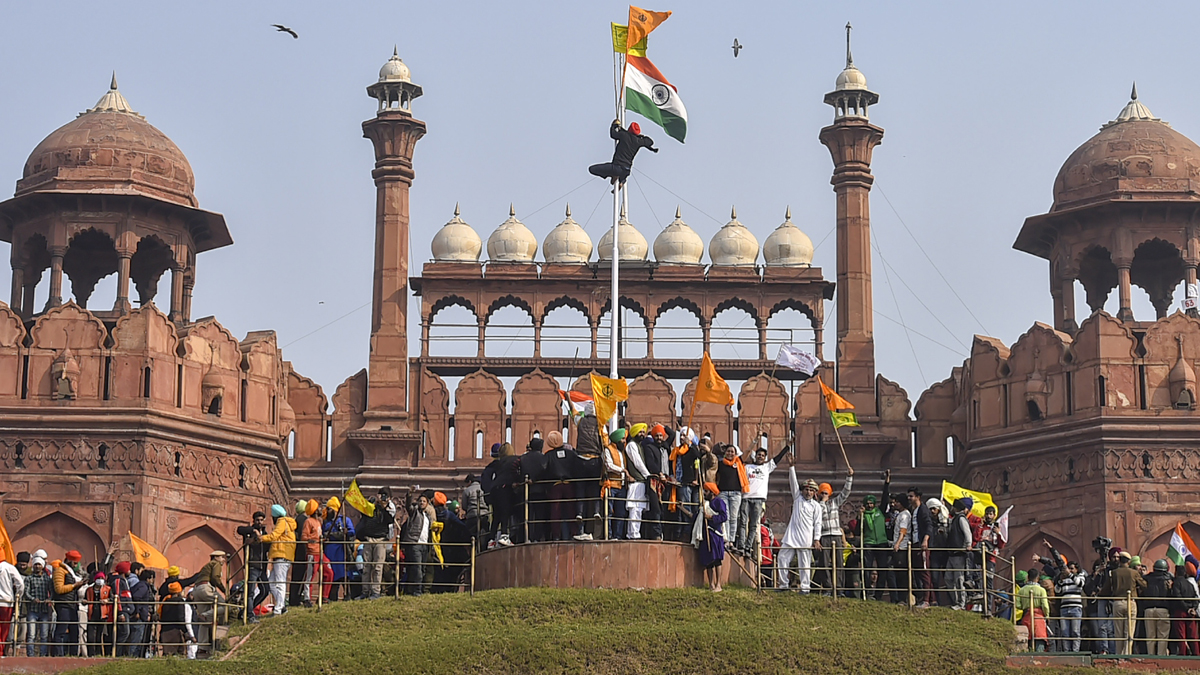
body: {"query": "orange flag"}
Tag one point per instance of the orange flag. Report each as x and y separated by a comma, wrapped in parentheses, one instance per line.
(711, 388)
(147, 554)
(833, 401)
(642, 22)
(6, 548)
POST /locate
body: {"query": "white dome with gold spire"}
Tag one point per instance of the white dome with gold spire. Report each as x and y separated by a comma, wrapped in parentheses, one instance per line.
(632, 244)
(567, 243)
(788, 246)
(456, 241)
(395, 70)
(512, 241)
(733, 244)
(678, 244)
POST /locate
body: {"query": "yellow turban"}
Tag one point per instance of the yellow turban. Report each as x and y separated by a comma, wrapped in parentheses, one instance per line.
(334, 504)
(638, 428)
(172, 571)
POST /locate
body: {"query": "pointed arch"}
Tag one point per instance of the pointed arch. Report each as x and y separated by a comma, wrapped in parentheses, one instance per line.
(450, 301)
(191, 550)
(566, 301)
(57, 531)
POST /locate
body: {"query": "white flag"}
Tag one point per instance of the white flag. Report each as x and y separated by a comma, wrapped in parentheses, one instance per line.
(1002, 526)
(793, 358)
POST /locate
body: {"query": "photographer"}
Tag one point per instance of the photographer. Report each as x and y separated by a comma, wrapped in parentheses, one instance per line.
(257, 589)
(1101, 627)
(375, 531)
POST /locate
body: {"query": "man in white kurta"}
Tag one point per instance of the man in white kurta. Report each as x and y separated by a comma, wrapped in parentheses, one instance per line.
(803, 533)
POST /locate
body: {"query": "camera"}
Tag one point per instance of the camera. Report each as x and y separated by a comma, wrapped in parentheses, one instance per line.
(1101, 544)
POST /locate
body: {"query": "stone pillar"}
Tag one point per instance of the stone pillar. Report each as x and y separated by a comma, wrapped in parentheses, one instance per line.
(176, 314)
(851, 141)
(424, 337)
(649, 340)
(18, 289)
(762, 341)
(189, 282)
(122, 304)
(56, 262)
(482, 337)
(1125, 313)
(1067, 293)
(706, 334)
(27, 302)
(537, 339)
(595, 326)
(394, 134)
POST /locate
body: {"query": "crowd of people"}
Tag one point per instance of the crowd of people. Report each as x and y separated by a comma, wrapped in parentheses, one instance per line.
(1122, 606)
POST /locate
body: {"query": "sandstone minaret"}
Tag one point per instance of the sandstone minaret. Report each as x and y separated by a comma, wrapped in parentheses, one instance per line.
(394, 132)
(851, 139)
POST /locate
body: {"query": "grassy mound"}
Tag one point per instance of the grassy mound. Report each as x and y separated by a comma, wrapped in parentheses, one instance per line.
(662, 632)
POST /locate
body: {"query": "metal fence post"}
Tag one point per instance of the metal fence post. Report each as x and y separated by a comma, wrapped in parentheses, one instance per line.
(396, 574)
(320, 569)
(212, 631)
(909, 586)
(607, 510)
(115, 599)
(525, 487)
(987, 605)
(834, 554)
(1130, 623)
(472, 585)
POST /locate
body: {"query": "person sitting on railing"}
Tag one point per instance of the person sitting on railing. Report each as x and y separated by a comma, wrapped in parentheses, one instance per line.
(1185, 603)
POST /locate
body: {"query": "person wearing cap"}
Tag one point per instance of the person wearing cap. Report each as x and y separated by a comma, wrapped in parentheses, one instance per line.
(616, 477)
(212, 572)
(1185, 603)
(754, 502)
(803, 535)
(257, 588)
(629, 141)
(36, 607)
(68, 578)
(281, 553)
(1032, 601)
(474, 508)
(731, 478)
(1124, 583)
(338, 532)
(958, 541)
(831, 532)
(1156, 608)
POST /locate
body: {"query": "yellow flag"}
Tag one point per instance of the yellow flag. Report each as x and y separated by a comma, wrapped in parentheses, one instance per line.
(833, 401)
(619, 34)
(844, 419)
(606, 392)
(147, 554)
(642, 22)
(711, 388)
(7, 553)
(355, 498)
(982, 500)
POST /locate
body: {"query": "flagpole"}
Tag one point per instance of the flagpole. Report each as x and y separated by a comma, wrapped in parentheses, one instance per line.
(762, 415)
(614, 295)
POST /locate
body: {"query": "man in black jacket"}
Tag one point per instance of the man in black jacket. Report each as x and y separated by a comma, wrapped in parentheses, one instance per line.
(141, 595)
(1156, 604)
(256, 566)
(654, 455)
(629, 141)
(533, 466)
(560, 463)
(922, 530)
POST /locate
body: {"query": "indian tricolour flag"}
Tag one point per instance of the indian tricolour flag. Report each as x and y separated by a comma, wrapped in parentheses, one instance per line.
(649, 94)
(1181, 548)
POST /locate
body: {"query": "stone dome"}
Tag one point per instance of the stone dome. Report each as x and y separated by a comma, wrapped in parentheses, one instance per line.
(456, 241)
(394, 70)
(788, 246)
(850, 78)
(733, 244)
(110, 149)
(1136, 156)
(567, 243)
(512, 241)
(631, 242)
(678, 244)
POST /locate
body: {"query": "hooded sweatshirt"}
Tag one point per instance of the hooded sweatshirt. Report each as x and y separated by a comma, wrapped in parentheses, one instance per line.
(282, 539)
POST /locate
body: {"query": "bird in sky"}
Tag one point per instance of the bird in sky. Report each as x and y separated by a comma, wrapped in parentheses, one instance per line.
(736, 47)
(289, 31)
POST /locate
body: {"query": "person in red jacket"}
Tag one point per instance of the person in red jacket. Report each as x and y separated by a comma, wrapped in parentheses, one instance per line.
(768, 547)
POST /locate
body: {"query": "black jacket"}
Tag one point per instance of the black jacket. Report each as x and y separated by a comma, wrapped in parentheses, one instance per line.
(559, 464)
(533, 467)
(628, 144)
(258, 549)
(652, 456)
(923, 520)
(1158, 592)
(143, 599)
(1183, 595)
(372, 527)
(589, 436)
(689, 475)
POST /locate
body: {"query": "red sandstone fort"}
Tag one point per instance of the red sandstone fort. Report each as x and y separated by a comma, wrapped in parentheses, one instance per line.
(139, 417)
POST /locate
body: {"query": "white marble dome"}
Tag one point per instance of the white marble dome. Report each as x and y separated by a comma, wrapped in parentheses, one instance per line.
(678, 244)
(733, 244)
(456, 242)
(394, 70)
(788, 246)
(632, 244)
(512, 241)
(567, 243)
(850, 78)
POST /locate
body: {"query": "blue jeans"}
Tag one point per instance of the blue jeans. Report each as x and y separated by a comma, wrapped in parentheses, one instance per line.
(734, 536)
(135, 640)
(37, 632)
(66, 631)
(1068, 629)
(1105, 629)
(257, 589)
(616, 513)
(752, 512)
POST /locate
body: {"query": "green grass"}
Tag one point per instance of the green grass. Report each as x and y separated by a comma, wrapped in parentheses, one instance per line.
(661, 632)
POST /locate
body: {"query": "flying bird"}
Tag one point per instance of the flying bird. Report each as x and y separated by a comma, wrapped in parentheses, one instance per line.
(289, 31)
(736, 48)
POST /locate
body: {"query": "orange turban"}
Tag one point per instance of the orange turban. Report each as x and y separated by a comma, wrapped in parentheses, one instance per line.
(174, 587)
(712, 487)
(439, 499)
(311, 507)
(825, 488)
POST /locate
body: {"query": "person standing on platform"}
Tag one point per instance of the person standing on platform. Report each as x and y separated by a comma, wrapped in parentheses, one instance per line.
(803, 535)
(281, 553)
(338, 532)
(922, 531)
(731, 478)
(474, 508)
(1185, 604)
(758, 474)
(711, 541)
(831, 532)
(616, 477)
(534, 488)
(637, 499)
(654, 455)
(300, 561)
(1123, 583)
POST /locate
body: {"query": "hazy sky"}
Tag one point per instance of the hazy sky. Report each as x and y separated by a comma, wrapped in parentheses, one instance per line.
(981, 105)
